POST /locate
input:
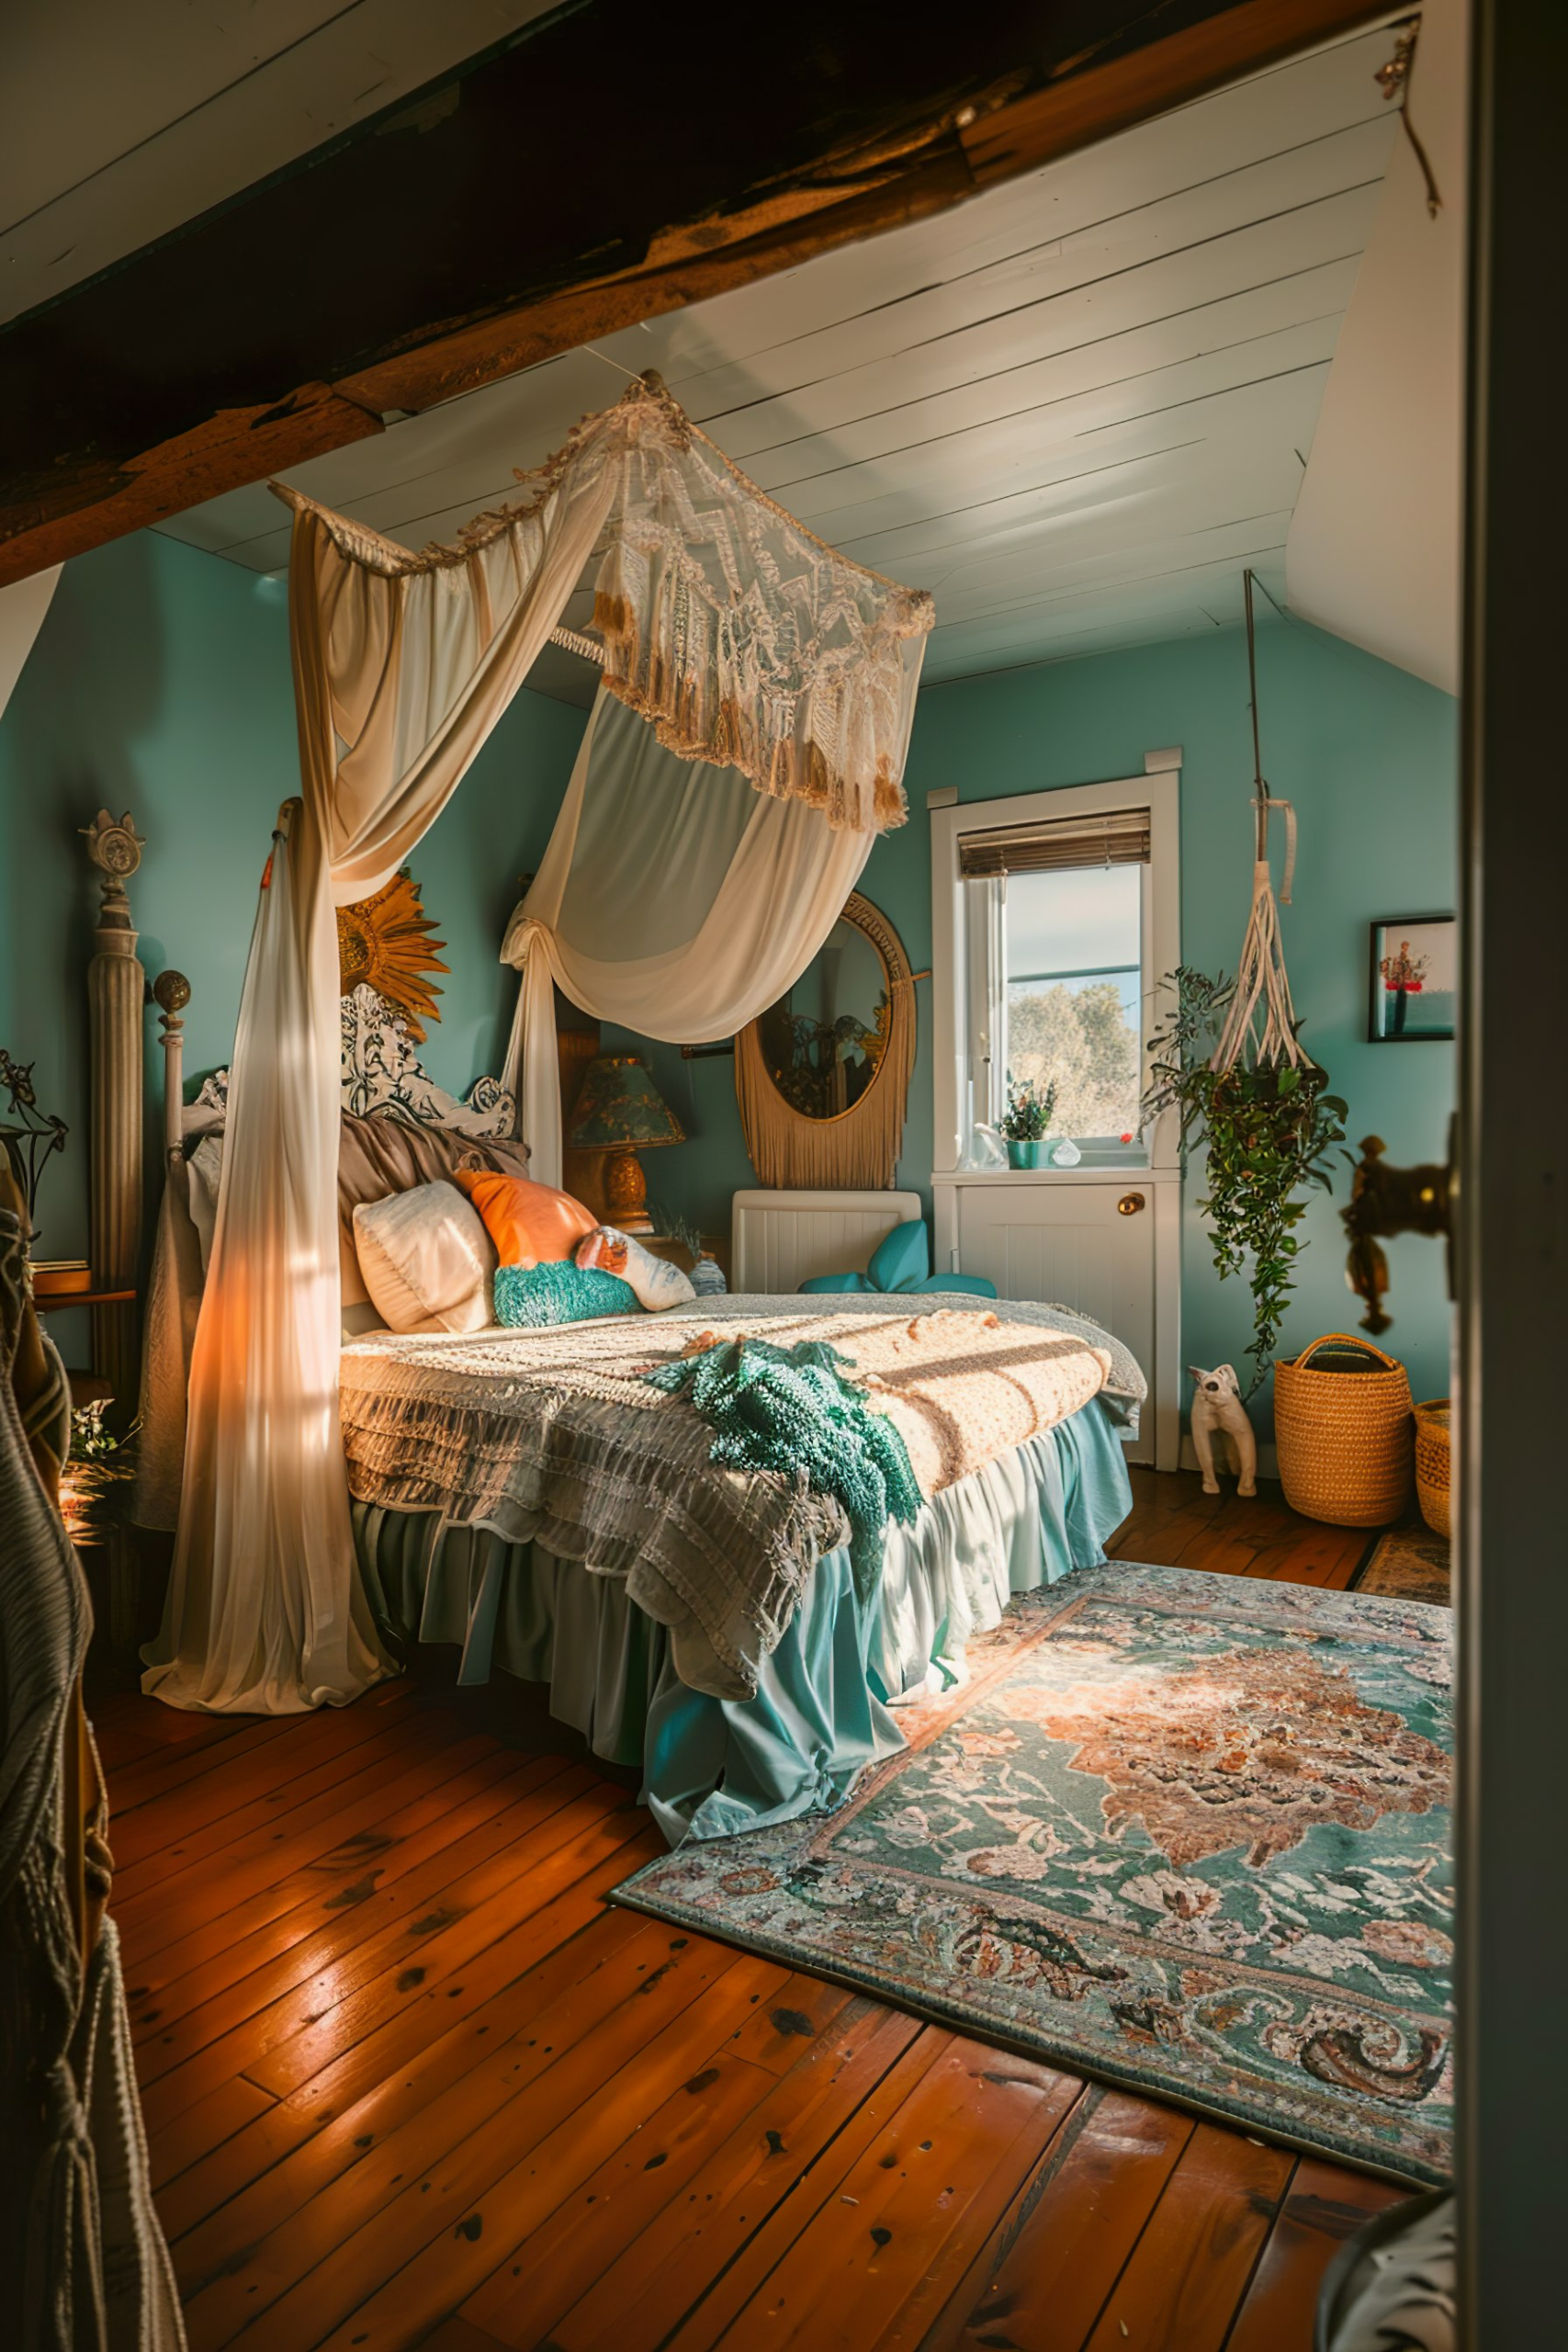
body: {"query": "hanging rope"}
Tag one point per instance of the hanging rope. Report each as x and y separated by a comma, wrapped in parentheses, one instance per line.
(1260, 1026)
(1259, 787)
(1394, 79)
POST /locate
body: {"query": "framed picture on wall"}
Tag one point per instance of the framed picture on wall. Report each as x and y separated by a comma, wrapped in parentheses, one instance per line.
(1413, 978)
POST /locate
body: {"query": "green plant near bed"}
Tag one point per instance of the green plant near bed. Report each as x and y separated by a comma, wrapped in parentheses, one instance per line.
(1268, 1129)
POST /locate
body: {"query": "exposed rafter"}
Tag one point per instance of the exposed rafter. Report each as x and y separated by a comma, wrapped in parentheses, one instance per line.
(592, 171)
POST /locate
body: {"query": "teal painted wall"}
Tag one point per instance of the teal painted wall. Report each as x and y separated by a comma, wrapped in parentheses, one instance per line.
(160, 683)
(1368, 754)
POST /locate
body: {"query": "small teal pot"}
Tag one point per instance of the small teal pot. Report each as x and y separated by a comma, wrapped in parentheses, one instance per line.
(1028, 1155)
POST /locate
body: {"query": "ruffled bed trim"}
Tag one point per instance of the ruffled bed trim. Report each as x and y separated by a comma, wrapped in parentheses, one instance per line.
(731, 1555)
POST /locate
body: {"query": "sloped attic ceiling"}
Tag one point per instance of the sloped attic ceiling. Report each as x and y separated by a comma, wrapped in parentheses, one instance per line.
(1075, 408)
(1375, 547)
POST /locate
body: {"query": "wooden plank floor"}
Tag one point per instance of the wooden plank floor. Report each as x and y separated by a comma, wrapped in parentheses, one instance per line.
(409, 2081)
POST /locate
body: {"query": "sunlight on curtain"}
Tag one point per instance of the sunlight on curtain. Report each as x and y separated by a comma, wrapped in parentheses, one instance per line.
(397, 681)
(673, 900)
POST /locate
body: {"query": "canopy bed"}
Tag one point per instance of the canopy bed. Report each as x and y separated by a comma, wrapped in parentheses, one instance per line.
(478, 1523)
(346, 1488)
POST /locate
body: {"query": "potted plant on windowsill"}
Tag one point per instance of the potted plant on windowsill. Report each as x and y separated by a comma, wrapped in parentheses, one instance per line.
(1025, 1124)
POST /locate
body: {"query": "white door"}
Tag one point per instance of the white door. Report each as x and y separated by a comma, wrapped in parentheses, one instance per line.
(1092, 1245)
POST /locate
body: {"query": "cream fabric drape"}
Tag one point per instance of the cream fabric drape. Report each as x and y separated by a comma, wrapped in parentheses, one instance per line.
(746, 644)
(673, 900)
(83, 2261)
(398, 677)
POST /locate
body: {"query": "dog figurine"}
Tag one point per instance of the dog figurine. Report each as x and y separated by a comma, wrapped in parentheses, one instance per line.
(1220, 1424)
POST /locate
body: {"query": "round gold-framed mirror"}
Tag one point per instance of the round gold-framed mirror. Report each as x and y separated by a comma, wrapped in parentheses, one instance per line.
(822, 1077)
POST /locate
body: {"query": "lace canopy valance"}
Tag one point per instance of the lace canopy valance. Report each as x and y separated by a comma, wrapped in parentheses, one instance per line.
(741, 637)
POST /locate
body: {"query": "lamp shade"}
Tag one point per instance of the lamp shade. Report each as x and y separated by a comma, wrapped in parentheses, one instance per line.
(620, 1106)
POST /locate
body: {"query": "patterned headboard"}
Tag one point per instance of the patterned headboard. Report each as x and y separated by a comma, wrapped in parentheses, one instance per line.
(381, 1070)
(383, 1073)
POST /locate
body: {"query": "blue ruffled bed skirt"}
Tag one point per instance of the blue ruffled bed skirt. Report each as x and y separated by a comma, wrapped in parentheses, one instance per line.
(826, 1701)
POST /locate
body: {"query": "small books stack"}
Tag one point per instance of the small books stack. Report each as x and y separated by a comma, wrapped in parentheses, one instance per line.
(51, 1276)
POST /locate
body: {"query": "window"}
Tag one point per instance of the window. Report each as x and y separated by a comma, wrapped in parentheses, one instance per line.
(1061, 914)
(1073, 955)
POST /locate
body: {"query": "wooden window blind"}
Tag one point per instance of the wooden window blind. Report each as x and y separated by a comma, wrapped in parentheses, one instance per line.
(1120, 838)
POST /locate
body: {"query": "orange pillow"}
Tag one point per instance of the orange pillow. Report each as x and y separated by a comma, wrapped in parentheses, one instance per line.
(531, 1225)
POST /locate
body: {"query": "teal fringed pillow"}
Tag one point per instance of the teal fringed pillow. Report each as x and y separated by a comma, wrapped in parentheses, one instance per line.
(529, 1298)
(903, 1262)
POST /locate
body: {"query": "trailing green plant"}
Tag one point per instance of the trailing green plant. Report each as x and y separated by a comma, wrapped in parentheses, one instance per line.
(1030, 1107)
(1268, 1132)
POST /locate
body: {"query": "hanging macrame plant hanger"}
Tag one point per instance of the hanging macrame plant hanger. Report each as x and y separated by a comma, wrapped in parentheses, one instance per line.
(1260, 1031)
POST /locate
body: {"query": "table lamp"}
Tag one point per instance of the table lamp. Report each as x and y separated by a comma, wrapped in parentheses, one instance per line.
(620, 1111)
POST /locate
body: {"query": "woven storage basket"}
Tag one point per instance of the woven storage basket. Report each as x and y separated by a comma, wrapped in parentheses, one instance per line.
(1342, 1423)
(1432, 1462)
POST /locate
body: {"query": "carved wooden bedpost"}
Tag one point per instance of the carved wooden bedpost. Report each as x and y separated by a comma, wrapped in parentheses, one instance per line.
(117, 990)
(171, 994)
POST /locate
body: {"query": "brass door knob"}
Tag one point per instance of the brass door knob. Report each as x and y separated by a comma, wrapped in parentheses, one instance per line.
(1383, 1201)
(1130, 1204)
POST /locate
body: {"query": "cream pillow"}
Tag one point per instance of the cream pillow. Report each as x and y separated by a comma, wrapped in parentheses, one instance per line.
(426, 1260)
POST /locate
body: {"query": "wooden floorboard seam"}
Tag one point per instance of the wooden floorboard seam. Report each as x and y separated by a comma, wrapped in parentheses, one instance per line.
(350, 2160)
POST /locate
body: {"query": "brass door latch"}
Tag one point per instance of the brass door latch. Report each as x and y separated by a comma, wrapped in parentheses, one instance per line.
(1385, 1200)
(1130, 1204)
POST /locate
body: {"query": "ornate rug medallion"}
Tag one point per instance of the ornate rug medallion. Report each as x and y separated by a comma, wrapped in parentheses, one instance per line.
(1185, 1832)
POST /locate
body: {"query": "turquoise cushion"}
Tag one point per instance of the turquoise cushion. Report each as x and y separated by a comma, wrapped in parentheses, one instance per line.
(529, 1298)
(902, 1262)
(903, 1258)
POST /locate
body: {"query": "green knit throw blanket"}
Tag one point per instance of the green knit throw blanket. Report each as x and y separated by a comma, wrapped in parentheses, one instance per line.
(790, 1409)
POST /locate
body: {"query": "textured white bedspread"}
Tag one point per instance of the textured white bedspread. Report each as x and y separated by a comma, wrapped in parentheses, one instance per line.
(554, 1436)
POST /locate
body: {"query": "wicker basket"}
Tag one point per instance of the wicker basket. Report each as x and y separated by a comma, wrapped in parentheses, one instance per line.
(1432, 1462)
(1342, 1423)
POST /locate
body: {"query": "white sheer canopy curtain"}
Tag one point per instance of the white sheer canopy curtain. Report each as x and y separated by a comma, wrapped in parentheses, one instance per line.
(745, 645)
(398, 677)
(673, 900)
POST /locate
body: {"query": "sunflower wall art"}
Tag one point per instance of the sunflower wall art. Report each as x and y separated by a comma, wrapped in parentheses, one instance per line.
(385, 942)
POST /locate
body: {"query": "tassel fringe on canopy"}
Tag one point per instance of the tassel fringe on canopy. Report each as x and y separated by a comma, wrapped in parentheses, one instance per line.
(742, 637)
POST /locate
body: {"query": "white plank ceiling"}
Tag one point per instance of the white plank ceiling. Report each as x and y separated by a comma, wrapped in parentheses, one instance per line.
(1075, 408)
(119, 120)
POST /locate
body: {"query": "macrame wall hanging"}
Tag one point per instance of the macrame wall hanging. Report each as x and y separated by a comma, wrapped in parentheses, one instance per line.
(1259, 1032)
(1256, 1100)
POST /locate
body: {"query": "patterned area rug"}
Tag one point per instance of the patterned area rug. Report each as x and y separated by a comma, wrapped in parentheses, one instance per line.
(1187, 1833)
(1409, 1564)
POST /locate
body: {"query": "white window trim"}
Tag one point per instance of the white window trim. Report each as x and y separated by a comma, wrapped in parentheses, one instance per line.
(1158, 790)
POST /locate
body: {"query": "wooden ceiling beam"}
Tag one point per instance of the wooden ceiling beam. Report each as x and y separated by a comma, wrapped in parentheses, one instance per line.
(571, 183)
(101, 498)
